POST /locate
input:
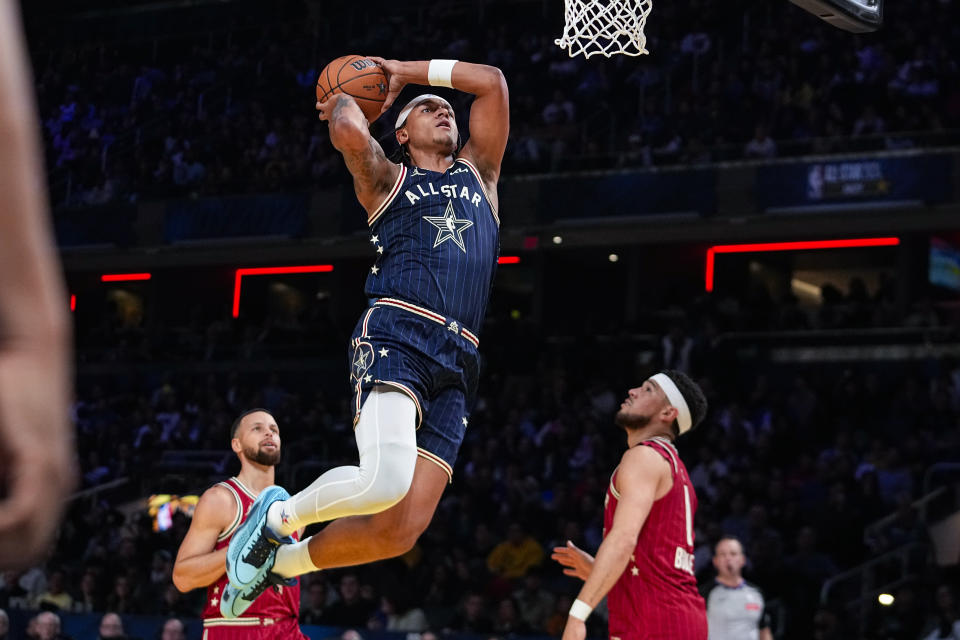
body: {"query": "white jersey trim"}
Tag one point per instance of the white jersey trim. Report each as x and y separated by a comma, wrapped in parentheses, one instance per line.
(245, 489)
(236, 520)
(671, 450)
(613, 487)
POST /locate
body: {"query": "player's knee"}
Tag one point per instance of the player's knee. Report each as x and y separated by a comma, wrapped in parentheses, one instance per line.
(389, 476)
(399, 537)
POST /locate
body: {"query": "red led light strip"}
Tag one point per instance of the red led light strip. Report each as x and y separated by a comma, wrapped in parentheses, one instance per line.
(508, 260)
(790, 246)
(263, 271)
(123, 277)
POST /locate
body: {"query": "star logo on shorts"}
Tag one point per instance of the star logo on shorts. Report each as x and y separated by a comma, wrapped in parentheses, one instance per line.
(451, 227)
(284, 516)
(363, 356)
(361, 362)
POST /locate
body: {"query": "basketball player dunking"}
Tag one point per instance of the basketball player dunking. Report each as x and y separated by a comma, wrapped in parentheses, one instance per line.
(414, 353)
(221, 509)
(645, 562)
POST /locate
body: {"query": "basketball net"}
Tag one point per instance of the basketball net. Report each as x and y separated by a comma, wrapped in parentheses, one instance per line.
(608, 27)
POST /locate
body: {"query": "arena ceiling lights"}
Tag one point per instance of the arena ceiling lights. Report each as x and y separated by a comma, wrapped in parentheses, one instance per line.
(804, 245)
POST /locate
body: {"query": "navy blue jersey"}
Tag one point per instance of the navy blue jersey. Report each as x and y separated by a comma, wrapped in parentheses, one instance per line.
(437, 239)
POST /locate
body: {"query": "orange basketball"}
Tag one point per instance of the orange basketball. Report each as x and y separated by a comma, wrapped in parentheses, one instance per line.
(357, 76)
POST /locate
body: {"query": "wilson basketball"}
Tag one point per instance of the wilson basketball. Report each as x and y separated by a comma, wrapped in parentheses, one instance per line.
(356, 76)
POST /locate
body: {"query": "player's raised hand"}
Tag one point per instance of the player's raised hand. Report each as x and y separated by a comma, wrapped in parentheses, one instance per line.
(578, 562)
(343, 103)
(326, 107)
(395, 81)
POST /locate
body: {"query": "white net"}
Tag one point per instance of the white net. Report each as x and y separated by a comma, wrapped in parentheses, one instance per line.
(607, 27)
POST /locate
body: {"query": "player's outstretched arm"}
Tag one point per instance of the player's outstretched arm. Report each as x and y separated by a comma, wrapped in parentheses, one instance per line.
(489, 113)
(373, 174)
(197, 564)
(641, 472)
(36, 437)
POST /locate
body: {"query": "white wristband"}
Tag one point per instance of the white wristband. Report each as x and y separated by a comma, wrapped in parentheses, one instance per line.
(440, 73)
(580, 610)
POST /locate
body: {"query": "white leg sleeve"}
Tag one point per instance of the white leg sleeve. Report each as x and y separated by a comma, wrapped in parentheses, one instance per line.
(387, 441)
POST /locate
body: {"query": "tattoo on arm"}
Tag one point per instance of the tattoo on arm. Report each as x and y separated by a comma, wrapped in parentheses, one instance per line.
(365, 166)
(338, 108)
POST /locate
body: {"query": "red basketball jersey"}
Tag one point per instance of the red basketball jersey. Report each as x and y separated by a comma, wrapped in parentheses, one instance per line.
(656, 597)
(276, 602)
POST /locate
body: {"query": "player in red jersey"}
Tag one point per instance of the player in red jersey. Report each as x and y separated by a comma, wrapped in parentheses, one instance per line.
(645, 564)
(201, 561)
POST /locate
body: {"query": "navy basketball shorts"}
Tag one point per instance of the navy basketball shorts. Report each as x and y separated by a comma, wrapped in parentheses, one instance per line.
(432, 359)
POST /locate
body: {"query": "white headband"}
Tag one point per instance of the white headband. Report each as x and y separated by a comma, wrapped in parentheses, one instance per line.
(402, 118)
(676, 399)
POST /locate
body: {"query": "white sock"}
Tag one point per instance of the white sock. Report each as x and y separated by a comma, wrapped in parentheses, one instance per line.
(294, 559)
(387, 442)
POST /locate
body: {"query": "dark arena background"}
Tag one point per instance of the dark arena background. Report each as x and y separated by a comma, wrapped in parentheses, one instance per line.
(765, 201)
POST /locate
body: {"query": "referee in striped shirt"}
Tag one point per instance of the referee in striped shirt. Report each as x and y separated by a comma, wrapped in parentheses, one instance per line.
(735, 608)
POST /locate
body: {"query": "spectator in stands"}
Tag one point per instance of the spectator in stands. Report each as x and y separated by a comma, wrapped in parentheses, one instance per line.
(88, 598)
(761, 145)
(122, 598)
(351, 610)
(472, 616)
(173, 629)
(4, 625)
(507, 621)
(534, 602)
(111, 626)
(174, 603)
(515, 556)
(401, 614)
(44, 626)
(55, 598)
(314, 607)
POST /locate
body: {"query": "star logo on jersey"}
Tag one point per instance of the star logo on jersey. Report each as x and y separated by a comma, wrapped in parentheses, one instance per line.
(451, 227)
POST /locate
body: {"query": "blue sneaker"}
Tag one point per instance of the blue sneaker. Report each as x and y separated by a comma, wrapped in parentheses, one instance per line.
(234, 602)
(254, 544)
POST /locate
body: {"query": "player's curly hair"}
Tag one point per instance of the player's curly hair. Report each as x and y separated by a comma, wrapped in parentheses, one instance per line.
(693, 394)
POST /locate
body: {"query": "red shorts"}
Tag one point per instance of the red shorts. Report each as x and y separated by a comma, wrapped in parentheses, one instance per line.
(252, 629)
